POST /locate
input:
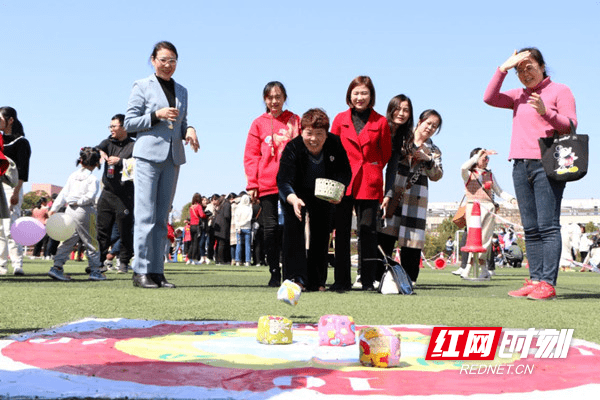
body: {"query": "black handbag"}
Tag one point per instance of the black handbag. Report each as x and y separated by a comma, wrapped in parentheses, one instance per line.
(565, 157)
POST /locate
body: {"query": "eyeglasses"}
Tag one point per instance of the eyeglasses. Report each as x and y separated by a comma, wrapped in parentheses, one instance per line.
(114, 126)
(527, 68)
(165, 61)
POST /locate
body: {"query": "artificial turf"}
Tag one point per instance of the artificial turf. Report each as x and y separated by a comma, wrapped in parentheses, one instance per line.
(224, 292)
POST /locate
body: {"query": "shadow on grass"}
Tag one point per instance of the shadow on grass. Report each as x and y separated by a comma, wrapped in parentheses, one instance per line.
(579, 296)
(450, 286)
(8, 332)
(259, 286)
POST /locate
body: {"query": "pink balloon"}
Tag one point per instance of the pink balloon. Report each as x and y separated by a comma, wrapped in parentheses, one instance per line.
(27, 231)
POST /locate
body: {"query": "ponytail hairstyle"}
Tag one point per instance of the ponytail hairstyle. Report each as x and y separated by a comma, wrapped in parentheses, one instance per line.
(89, 157)
(17, 127)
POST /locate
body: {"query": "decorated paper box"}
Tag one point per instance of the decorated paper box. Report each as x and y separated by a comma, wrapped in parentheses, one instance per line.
(336, 330)
(273, 329)
(289, 292)
(379, 347)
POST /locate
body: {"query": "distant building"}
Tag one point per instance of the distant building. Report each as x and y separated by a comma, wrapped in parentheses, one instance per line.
(572, 210)
(45, 187)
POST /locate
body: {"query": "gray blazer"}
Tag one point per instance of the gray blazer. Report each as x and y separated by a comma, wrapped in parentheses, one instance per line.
(154, 143)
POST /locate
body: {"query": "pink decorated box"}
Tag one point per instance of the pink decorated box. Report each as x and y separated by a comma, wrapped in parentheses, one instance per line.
(336, 330)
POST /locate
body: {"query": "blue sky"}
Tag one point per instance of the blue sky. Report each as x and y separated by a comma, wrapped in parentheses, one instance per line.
(68, 66)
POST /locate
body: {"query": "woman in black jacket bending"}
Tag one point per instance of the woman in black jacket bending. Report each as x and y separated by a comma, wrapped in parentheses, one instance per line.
(315, 154)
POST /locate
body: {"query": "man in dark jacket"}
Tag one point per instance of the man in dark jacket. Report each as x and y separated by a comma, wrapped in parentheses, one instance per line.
(116, 201)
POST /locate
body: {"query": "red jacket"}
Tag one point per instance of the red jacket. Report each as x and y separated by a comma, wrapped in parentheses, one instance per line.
(196, 214)
(368, 153)
(265, 143)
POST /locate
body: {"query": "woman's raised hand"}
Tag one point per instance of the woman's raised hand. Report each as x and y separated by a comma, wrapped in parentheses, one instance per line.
(514, 60)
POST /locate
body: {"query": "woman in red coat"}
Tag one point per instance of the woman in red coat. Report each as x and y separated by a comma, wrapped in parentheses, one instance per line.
(365, 135)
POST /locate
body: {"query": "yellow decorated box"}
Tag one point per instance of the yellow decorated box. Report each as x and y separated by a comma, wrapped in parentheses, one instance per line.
(273, 329)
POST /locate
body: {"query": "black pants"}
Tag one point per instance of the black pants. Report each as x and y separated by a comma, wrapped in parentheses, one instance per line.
(223, 254)
(210, 246)
(258, 252)
(41, 245)
(307, 267)
(410, 259)
(272, 238)
(195, 250)
(113, 209)
(366, 220)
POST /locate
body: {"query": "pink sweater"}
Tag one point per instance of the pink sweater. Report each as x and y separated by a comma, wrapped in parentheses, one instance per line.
(265, 143)
(528, 125)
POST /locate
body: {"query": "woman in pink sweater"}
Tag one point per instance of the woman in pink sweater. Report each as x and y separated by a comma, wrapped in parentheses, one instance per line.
(539, 109)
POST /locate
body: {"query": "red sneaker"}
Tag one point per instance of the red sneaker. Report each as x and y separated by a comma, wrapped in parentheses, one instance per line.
(527, 288)
(543, 291)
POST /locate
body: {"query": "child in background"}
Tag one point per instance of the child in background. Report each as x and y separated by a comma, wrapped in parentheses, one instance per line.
(187, 240)
(480, 186)
(79, 195)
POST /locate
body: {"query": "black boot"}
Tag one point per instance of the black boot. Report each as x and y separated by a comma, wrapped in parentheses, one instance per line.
(144, 281)
(275, 278)
(161, 281)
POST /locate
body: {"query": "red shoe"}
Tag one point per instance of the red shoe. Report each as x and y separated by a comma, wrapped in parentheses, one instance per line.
(543, 291)
(527, 288)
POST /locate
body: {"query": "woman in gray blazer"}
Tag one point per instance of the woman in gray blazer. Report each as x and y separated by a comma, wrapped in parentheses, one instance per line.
(157, 115)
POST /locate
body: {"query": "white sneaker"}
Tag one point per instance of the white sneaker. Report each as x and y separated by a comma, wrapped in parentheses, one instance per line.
(18, 271)
(357, 284)
(492, 272)
(458, 271)
(247, 264)
(188, 262)
(465, 272)
(3, 270)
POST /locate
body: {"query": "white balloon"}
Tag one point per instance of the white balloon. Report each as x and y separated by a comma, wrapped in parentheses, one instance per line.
(60, 226)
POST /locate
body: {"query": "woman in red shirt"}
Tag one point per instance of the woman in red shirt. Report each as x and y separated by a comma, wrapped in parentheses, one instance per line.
(196, 214)
(266, 140)
(365, 135)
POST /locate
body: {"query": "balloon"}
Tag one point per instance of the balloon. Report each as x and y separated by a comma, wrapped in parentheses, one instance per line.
(60, 226)
(27, 231)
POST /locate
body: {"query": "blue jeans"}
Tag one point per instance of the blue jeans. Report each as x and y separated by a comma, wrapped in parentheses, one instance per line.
(243, 241)
(539, 201)
(202, 243)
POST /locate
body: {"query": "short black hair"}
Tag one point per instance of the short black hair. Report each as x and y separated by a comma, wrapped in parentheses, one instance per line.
(120, 117)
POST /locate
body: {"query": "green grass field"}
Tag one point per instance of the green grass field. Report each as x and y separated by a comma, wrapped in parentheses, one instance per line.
(222, 292)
